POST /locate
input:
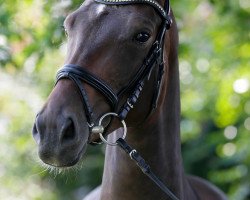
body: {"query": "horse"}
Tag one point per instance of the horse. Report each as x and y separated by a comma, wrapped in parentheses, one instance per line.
(121, 66)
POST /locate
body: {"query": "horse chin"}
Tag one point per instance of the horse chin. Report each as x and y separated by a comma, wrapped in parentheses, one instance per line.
(66, 159)
(74, 166)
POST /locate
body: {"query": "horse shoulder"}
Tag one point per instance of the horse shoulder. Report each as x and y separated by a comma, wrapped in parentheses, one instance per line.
(205, 190)
(94, 194)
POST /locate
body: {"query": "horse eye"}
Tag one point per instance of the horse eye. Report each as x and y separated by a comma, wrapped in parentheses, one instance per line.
(142, 37)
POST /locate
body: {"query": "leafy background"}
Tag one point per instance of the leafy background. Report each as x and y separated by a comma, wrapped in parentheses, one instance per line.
(215, 95)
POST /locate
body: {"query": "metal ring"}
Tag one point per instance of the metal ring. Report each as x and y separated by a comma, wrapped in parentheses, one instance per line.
(124, 128)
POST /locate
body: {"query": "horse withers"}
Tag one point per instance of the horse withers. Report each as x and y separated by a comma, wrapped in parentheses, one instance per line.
(122, 58)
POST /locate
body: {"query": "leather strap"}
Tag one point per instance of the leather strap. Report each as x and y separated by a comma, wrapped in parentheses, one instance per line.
(142, 164)
(78, 74)
(88, 110)
(84, 75)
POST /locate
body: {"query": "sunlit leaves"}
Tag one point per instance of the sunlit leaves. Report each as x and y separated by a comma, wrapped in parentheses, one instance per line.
(215, 77)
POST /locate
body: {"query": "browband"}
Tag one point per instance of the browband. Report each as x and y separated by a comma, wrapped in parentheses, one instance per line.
(163, 12)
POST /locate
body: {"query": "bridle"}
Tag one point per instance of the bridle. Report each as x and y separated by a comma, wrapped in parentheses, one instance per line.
(154, 59)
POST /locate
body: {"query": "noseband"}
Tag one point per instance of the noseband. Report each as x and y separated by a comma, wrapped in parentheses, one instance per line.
(154, 58)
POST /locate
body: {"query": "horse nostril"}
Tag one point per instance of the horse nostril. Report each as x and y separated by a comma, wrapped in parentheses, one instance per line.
(36, 134)
(68, 131)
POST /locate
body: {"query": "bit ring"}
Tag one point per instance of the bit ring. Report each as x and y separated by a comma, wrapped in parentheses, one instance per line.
(124, 128)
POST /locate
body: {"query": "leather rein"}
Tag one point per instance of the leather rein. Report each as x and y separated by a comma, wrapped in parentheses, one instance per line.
(78, 74)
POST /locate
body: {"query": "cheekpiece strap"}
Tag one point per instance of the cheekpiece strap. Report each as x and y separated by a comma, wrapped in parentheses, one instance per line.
(156, 5)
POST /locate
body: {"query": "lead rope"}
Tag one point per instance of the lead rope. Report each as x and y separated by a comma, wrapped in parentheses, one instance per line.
(134, 155)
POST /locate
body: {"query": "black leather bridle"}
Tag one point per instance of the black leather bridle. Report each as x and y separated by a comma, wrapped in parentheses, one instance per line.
(154, 59)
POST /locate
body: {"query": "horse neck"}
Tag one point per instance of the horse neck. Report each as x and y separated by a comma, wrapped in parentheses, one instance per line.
(158, 141)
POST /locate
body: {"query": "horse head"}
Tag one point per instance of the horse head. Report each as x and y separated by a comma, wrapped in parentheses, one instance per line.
(109, 43)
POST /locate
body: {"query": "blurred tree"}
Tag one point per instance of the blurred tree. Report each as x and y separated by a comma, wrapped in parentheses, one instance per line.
(215, 85)
(215, 81)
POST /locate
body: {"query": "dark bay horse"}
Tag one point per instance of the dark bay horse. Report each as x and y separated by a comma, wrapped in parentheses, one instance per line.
(119, 52)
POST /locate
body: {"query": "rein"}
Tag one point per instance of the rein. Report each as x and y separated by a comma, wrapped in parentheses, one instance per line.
(135, 156)
(154, 59)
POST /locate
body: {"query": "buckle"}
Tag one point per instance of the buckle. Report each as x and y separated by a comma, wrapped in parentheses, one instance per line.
(168, 22)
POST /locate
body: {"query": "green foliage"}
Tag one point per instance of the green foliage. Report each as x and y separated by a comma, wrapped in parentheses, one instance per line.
(215, 93)
(215, 81)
